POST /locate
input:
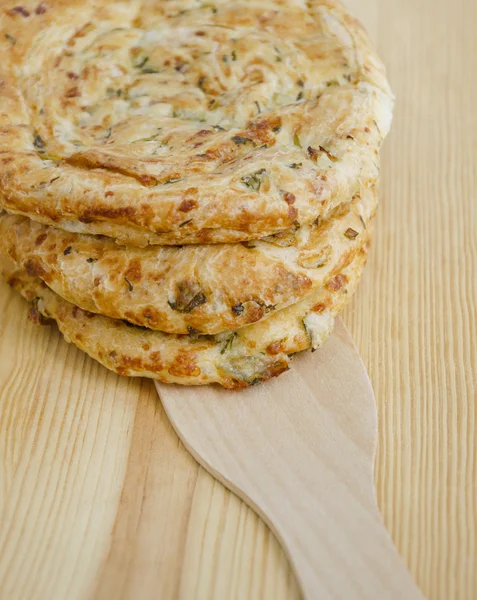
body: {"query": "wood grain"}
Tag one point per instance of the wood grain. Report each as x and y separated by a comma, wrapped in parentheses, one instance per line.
(99, 499)
(419, 340)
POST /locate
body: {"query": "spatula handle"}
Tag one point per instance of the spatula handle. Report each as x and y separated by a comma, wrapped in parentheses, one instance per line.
(330, 529)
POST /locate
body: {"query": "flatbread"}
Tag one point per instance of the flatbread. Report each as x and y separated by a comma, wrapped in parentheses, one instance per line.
(184, 122)
(206, 289)
(234, 359)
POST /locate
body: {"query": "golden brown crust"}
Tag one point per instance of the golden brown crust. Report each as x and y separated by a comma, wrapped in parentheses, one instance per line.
(206, 289)
(186, 122)
(233, 359)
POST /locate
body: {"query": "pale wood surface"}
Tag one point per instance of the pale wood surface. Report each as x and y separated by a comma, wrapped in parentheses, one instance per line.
(99, 500)
(301, 451)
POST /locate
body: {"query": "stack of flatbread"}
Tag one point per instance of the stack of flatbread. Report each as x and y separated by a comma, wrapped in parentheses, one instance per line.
(187, 188)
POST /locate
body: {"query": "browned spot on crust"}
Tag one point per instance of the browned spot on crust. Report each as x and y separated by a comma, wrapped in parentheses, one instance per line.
(286, 280)
(275, 348)
(253, 312)
(188, 205)
(151, 315)
(184, 365)
(146, 347)
(202, 132)
(13, 282)
(277, 368)
(34, 268)
(312, 153)
(289, 198)
(189, 200)
(337, 282)
(261, 131)
(125, 365)
(134, 271)
(319, 308)
(155, 358)
(18, 10)
(273, 370)
(76, 312)
(40, 239)
(35, 316)
(73, 92)
(90, 214)
(98, 160)
(79, 34)
(234, 384)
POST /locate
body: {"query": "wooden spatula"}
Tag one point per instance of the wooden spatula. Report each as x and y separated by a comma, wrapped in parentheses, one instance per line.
(300, 451)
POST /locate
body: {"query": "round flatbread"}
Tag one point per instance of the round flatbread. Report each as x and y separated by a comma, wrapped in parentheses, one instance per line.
(203, 289)
(233, 359)
(184, 122)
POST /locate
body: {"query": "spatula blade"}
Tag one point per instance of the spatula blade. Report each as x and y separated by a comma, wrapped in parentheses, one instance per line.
(300, 450)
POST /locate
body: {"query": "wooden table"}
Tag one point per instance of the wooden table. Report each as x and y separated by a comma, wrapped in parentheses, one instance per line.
(99, 500)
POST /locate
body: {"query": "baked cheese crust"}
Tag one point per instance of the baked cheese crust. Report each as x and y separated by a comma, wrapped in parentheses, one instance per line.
(233, 359)
(179, 121)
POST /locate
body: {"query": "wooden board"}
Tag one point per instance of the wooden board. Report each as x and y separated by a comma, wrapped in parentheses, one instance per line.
(99, 500)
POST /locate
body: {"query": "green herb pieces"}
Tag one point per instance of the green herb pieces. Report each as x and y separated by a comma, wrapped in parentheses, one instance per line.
(113, 93)
(148, 139)
(239, 140)
(228, 343)
(151, 70)
(141, 61)
(188, 296)
(238, 309)
(38, 141)
(254, 180)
